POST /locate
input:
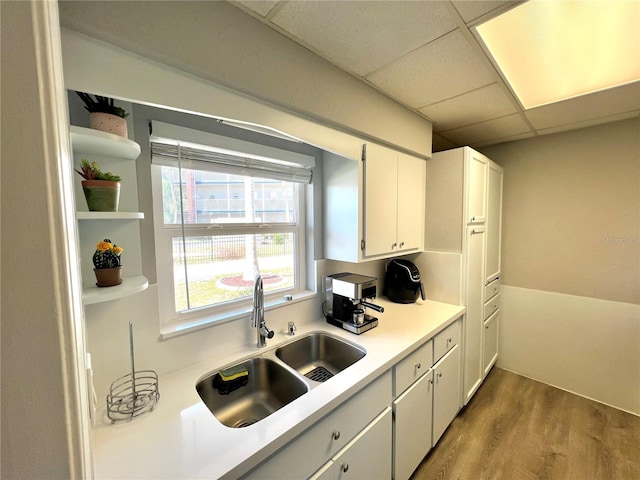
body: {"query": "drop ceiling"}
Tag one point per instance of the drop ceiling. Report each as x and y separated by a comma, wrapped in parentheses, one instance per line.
(425, 55)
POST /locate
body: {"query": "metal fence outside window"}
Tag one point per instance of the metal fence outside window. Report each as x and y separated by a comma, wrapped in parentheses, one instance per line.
(231, 247)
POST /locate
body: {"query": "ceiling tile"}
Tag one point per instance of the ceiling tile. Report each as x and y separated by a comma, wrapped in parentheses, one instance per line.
(261, 7)
(512, 138)
(440, 70)
(473, 107)
(490, 130)
(590, 122)
(469, 10)
(586, 107)
(361, 37)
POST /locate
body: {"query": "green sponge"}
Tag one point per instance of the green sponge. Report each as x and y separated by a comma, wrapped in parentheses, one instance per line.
(233, 373)
(230, 379)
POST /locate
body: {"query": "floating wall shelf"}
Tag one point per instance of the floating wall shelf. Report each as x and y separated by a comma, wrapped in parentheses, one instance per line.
(109, 215)
(89, 141)
(129, 286)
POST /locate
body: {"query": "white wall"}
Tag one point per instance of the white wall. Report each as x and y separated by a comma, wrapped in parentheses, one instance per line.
(584, 345)
(44, 414)
(216, 42)
(571, 261)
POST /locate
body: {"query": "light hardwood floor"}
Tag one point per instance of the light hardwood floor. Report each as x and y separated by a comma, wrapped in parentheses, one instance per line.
(519, 429)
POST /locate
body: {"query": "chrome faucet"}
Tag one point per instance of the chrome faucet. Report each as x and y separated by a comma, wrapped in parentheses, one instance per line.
(257, 314)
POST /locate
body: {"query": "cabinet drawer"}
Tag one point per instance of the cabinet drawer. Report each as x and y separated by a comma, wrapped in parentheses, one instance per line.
(324, 439)
(354, 461)
(445, 340)
(412, 367)
(491, 289)
(491, 306)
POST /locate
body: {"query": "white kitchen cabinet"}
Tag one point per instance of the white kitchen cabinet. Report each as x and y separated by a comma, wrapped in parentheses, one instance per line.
(490, 341)
(414, 407)
(380, 200)
(373, 203)
(474, 316)
(446, 392)
(117, 155)
(413, 417)
(462, 246)
(367, 456)
(494, 222)
(476, 168)
(314, 448)
(412, 180)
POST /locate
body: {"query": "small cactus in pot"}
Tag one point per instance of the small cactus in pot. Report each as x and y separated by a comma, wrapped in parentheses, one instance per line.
(106, 261)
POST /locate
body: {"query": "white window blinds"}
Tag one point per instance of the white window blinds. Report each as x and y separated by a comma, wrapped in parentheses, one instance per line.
(187, 148)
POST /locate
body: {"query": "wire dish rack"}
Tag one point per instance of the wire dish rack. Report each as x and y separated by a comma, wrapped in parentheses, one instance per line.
(134, 393)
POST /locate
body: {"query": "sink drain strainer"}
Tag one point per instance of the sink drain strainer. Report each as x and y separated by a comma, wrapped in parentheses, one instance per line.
(319, 374)
(245, 422)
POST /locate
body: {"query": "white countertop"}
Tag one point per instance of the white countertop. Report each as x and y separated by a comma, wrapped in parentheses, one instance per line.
(181, 439)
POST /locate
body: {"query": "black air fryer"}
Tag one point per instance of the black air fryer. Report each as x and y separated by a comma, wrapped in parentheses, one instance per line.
(402, 283)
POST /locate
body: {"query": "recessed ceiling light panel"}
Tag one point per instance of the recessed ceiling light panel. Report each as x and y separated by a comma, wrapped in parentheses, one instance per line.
(553, 50)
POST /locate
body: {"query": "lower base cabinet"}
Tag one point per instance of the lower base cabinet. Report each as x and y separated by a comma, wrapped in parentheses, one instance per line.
(446, 392)
(325, 440)
(424, 410)
(368, 456)
(491, 341)
(412, 430)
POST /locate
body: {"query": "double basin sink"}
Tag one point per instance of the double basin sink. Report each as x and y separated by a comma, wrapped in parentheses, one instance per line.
(277, 377)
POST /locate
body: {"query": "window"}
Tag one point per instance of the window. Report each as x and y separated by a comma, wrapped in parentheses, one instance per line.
(221, 218)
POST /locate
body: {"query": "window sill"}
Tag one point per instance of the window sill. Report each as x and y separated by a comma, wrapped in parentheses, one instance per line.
(177, 328)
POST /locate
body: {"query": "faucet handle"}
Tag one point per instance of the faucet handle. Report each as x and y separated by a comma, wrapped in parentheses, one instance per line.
(292, 328)
(266, 331)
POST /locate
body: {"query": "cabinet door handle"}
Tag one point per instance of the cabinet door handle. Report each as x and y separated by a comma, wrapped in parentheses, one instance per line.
(418, 365)
(449, 340)
(401, 244)
(345, 467)
(336, 435)
(439, 374)
(473, 219)
(393, 246)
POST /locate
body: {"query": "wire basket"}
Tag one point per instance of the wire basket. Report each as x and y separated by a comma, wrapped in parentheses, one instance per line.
(132, 395)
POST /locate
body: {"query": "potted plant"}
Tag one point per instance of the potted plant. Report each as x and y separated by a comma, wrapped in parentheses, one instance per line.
(106, 262)
(104, 115)
(101, 189)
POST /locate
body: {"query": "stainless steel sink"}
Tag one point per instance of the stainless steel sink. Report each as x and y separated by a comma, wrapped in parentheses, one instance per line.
(270, 387)
(319, 356)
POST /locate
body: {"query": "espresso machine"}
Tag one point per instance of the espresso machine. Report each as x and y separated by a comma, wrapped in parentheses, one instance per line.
(346, 302)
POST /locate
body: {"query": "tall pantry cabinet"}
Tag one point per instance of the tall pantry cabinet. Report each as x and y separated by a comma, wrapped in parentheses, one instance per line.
(461, 262)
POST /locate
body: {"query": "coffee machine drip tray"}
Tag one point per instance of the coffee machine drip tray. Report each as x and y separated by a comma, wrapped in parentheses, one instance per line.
(369, 323)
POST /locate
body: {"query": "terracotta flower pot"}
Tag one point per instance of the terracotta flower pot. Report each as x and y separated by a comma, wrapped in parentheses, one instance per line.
(101, 195)
(108, 123)
(108, 277)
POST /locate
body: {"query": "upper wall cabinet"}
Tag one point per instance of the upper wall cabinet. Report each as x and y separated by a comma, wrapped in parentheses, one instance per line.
(476, 167)
(374, 204)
